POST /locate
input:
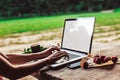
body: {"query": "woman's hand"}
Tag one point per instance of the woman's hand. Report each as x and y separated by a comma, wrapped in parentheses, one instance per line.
(50, 50)
(56, 56)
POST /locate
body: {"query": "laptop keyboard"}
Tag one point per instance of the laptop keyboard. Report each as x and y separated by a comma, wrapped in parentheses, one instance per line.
(64, 59)
(71, 56)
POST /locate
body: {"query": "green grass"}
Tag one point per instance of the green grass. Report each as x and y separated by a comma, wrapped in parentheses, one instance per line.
(8, 27)
(117, 10)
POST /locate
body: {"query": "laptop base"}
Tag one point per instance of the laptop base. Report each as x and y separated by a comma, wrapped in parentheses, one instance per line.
(74, 65)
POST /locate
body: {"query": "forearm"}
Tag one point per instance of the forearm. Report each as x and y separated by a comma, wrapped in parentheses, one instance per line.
(15, 72)
(26, 69)
(23, 58)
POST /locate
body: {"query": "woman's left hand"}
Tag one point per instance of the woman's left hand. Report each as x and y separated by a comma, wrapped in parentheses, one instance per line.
(50, 50)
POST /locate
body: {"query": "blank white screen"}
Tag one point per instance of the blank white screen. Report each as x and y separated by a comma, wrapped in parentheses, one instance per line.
(77, 34)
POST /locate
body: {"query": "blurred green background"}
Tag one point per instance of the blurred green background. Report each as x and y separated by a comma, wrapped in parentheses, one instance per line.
(38, 15)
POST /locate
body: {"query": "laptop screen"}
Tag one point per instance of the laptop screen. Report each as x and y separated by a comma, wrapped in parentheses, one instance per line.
(77, 34)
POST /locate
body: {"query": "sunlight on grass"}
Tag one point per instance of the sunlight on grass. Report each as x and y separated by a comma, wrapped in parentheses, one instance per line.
(52, 22)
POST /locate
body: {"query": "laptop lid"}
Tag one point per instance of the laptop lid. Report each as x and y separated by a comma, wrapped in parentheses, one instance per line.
(78, 34)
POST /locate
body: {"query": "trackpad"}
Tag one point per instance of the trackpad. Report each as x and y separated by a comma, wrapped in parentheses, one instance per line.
(67, 58)
(72, 56)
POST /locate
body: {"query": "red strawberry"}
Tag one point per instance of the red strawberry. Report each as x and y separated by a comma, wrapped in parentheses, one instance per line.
(102, 58)
(106, 59)
(114, 59)
(85, 65)
(94, 60)
(98, 60)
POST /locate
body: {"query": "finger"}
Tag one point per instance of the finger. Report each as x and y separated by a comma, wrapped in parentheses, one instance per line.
(55, 51)
(57, 54)
(56, 48)
(60, 53)
(57, 44)
(65, 53)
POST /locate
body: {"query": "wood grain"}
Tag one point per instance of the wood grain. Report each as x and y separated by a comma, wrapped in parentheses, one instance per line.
(110, 72)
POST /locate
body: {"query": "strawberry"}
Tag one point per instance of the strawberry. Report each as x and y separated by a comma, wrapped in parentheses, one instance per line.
(102, 58)
(85, 65)
(114, 59)
(106, 59)
(98, 60)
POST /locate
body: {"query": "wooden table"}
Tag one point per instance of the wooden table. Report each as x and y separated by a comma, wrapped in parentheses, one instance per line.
(102, 73)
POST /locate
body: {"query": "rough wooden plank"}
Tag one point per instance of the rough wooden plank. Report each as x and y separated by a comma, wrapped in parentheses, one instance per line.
(102, 73)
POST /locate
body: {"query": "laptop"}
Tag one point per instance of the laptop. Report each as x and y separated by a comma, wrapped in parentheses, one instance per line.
(76, 39)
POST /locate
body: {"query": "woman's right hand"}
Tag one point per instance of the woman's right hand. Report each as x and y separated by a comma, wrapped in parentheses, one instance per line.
(50, 50)
(56, 56)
